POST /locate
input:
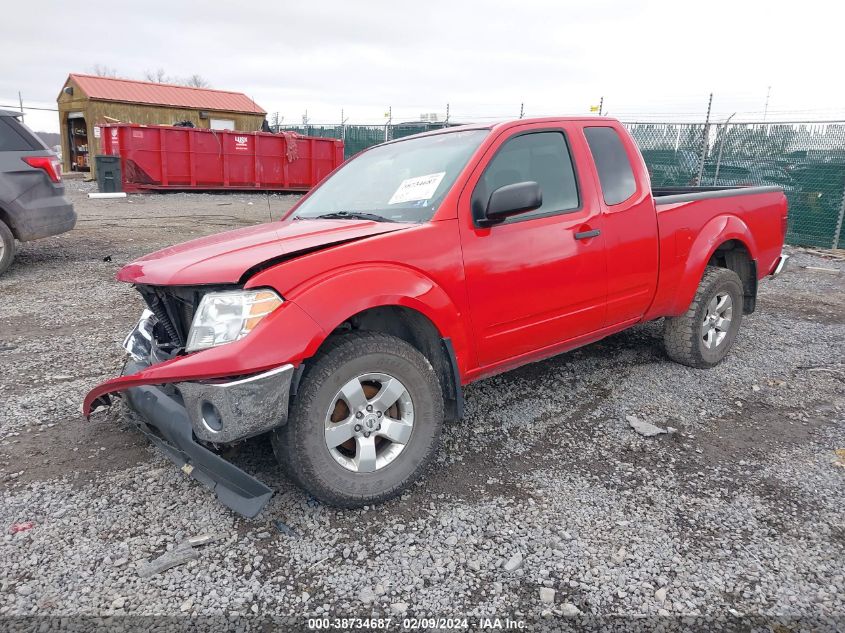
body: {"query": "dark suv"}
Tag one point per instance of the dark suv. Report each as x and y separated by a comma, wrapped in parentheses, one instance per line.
(32, 200)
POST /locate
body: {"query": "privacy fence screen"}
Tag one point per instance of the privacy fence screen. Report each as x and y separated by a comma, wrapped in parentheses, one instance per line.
(806, 159)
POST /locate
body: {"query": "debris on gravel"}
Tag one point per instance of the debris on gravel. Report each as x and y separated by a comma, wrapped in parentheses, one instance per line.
(178, 556)
(645, 429)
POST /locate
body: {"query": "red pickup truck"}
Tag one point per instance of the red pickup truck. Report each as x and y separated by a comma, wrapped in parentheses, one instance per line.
(347, 330)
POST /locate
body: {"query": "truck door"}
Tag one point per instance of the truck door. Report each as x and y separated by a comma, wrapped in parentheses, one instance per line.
(536, 279)
(630, 222)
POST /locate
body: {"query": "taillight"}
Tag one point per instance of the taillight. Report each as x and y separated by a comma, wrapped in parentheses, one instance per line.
(50, 164)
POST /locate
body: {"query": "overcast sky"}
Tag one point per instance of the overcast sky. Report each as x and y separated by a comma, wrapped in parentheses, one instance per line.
(648, 59)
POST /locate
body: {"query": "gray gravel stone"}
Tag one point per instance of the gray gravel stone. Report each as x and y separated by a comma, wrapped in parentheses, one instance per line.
(514, 562)
(569, 610)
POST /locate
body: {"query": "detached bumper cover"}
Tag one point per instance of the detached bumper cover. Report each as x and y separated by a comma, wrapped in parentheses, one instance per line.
(175, 416)
(233, 487)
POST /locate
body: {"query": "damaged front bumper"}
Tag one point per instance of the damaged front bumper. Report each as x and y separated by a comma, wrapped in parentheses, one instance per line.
(179, 415)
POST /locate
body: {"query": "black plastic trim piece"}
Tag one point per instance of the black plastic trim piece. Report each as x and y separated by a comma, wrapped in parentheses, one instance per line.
(456, 377)
(234, 488)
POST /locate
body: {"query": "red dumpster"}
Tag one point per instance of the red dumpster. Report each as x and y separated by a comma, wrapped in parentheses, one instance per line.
(159, 157)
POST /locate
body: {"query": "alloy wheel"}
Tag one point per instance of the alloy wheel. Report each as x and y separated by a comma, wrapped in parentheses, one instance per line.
(369, 422)
(717, 320)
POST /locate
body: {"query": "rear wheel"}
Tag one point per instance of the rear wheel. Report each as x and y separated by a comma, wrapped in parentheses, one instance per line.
(7, 247)
(703, 336)
(365, 422)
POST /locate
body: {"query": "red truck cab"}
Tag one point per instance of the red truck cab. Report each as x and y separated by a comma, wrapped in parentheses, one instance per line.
(347, 330)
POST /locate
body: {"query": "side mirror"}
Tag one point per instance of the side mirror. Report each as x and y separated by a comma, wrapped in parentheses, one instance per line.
(520, 197)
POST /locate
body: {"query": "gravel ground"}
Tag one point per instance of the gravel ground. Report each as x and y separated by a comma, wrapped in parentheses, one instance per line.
(543, 499)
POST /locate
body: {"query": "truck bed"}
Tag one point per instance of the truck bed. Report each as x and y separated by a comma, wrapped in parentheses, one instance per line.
(754, 217)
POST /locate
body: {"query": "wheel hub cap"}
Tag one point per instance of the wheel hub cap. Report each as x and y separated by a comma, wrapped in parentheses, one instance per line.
(717, 320)
(369, 422)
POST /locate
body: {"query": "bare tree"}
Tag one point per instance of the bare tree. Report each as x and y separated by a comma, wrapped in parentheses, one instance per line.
(195, 81)
(101, 70)
(157, 76)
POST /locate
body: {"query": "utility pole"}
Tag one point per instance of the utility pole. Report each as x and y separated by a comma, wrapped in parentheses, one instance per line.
(20, 101)
(704, 140)
(389, 114)
(447, 113)
(766, 109)
(521, 110)
(601, 106)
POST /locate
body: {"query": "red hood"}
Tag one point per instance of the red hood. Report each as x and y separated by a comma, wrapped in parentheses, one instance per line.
(225, 257)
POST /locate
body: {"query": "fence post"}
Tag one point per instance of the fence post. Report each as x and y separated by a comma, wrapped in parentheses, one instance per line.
(721, 147)
(704, 143)
(838, 232)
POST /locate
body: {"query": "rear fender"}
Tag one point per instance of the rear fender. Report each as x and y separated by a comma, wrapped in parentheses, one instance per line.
(716, 232)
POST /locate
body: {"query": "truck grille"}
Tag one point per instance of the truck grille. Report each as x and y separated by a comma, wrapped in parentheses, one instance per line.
(174, 307)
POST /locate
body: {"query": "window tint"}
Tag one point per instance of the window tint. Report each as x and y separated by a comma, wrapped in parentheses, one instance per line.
(615, 173)
(542, 157)
(13, 137)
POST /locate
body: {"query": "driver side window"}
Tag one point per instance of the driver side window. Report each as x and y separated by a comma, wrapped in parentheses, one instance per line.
(542, 157)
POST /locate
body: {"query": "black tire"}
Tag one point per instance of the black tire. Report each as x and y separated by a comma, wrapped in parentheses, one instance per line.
(683, 336)
(7, 247)
(300, 444)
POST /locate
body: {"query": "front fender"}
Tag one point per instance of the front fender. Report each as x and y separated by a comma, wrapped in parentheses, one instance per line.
(283, 337)
(721, 229)
(334, 296)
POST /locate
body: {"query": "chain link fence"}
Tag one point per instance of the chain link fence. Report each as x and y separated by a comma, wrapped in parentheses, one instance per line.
(806, 159)
(360, 137)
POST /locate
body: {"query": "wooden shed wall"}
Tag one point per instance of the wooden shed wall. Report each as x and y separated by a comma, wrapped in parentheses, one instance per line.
(102, 112)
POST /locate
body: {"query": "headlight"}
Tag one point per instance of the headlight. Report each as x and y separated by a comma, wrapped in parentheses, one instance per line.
(223, 317)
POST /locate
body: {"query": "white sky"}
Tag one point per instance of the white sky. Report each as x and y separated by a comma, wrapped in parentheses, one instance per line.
(650, 60)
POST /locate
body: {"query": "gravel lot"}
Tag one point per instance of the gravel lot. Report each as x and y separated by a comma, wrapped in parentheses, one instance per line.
(543, 486)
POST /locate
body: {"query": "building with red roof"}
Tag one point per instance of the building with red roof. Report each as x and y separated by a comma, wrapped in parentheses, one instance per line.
(88, 101)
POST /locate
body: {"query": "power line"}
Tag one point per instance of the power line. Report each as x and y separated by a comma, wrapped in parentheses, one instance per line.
(3, 105)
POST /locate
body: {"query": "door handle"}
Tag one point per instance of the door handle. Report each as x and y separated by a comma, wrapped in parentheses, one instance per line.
(583, 235)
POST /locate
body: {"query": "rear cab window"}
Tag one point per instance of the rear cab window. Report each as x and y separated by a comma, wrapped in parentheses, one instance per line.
(542, 157)
(616, 175)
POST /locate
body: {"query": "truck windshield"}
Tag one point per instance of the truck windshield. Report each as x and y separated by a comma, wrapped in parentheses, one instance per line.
(399, 182)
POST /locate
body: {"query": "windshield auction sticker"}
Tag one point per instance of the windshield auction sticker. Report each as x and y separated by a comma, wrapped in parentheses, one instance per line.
(419, 188)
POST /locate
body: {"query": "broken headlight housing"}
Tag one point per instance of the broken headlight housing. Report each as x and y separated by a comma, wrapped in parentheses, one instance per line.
(224, 317)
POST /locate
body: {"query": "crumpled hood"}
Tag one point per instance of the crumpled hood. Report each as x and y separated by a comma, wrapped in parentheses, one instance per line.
(225, 257)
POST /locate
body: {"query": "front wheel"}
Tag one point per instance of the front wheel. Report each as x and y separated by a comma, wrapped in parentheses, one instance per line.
(703, 335)
(365, 422)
